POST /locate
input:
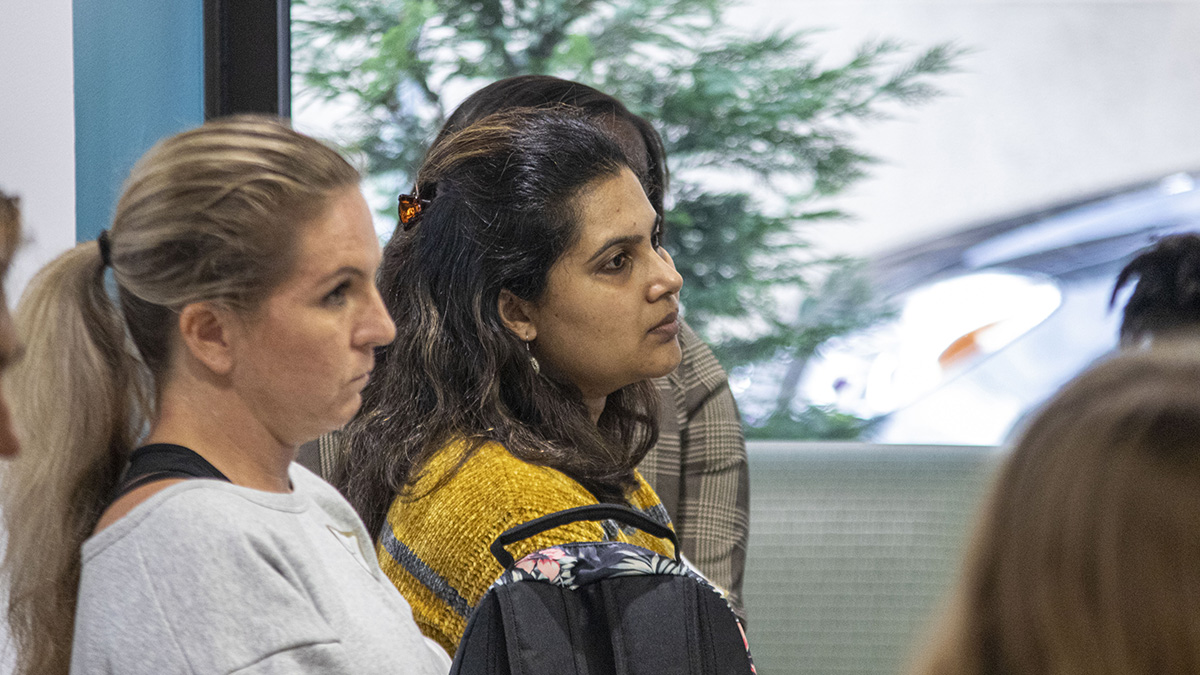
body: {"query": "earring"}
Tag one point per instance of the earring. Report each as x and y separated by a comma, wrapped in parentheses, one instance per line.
(533, 362)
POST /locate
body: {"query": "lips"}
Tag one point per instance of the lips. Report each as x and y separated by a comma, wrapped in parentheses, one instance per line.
(668, 327)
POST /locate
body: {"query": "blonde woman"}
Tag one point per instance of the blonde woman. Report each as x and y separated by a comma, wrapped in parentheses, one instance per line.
(242, 259)
(1087, 557)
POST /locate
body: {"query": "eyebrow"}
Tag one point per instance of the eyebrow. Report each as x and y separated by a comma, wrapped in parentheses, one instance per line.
(627, 239)
(345, 269)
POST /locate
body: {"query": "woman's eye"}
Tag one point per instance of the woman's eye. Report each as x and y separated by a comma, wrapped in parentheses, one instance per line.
(656, 237)
(338, 295)
(617, 262)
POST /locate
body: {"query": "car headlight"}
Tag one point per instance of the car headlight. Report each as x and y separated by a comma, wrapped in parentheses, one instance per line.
(943, 328)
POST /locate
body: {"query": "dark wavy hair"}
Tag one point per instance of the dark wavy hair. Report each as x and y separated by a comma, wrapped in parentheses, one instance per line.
(501, 211)
(1166, 298)
(544, 91)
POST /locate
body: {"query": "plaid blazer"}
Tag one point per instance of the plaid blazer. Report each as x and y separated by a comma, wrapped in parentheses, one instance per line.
(698, 468)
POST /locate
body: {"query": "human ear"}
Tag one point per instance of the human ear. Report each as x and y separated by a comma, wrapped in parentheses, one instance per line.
(204, 330)
(517, 315)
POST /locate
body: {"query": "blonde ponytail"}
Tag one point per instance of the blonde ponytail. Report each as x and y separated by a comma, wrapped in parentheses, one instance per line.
(76, 395)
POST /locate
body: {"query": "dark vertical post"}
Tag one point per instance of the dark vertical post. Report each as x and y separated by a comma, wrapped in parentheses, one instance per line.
(247, 57)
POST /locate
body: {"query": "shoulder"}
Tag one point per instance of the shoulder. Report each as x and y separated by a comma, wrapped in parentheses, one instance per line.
(491, 479)
(492, 473)
(201, 539)
(698, 384)
(490, 493)
(195, 517)
(128, 502)
(309, 485)
(202, 535)
(698, 371)
(192, 567)
(643, 496)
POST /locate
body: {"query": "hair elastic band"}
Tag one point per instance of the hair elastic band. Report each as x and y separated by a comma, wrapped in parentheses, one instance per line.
(411, 207)
(105, 248)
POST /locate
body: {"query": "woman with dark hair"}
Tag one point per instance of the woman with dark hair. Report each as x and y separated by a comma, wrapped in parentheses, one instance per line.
(1085, 558)
(537, 303)
(156, 522)
(698, 466)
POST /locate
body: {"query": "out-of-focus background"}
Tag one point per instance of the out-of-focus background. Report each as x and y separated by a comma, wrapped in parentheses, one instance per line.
(1001, 211)
(897, 221)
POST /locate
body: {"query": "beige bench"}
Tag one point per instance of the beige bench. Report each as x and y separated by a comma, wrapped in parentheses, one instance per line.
(852, 547)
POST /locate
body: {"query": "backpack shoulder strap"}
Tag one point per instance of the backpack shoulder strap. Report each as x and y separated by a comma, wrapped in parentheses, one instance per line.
(622, 514)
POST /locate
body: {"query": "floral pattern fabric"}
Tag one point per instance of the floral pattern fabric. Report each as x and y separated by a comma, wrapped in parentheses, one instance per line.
(573, 566)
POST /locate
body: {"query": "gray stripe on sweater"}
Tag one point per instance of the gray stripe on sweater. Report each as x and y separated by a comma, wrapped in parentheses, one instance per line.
(424, 573)
(657, 513)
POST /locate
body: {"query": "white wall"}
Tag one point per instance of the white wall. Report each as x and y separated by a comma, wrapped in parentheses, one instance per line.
(37, 146)
(1060, 98)
(37, 128)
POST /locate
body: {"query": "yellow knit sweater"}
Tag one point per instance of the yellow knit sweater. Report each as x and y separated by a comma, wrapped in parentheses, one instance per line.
(435, 548)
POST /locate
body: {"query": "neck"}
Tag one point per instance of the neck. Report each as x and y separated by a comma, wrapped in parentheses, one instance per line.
(595, 406)
(216, 425)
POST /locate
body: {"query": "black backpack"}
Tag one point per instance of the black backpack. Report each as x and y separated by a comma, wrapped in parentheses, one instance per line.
(600, 608)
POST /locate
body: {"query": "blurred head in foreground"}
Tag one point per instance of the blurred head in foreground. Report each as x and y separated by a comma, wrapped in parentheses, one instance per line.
(1087, 555)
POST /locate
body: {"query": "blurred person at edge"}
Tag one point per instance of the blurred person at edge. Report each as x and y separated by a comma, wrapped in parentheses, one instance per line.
(1087, 556)
(1165, 302)
(156, 521)
(10, 237)
(698, 466)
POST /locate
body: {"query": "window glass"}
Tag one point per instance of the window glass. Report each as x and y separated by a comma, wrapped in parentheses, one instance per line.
(897, 221)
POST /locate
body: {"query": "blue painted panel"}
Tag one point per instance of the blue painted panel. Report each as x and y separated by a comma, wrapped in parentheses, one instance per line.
(139, 76)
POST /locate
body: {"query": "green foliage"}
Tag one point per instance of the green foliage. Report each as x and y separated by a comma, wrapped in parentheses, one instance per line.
(812, 423)
(757, 128)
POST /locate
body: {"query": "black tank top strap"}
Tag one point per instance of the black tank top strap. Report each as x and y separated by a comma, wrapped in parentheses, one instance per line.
(162, 461)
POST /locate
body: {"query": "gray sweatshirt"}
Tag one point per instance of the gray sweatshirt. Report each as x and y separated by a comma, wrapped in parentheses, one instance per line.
(206, 577)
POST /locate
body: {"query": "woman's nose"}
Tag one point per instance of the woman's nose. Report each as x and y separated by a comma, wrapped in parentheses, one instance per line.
(666, 280)
(379, 329)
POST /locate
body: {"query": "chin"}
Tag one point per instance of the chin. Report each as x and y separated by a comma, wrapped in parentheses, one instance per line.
(670, 363)
(654, 373)
(319, 426)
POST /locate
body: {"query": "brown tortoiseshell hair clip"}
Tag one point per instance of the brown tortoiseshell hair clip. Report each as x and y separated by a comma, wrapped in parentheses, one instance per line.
(411, 207)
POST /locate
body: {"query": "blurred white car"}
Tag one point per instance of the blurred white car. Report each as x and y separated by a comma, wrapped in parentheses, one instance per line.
(992, 319)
